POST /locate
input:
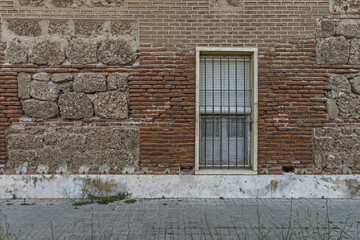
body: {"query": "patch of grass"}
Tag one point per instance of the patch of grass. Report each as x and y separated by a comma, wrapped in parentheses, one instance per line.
(6, 232)
(130, 201)
(95, 190)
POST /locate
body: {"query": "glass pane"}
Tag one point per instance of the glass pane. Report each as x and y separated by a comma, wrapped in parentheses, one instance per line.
(225, 85)
(228, 145)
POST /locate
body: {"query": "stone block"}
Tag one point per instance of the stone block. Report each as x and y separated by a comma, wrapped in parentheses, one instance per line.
(112, 104)
(24, 85)
(339, 83)
(101, 139)
(61, 77)
(333, 50)
(118, 81)
(120, 28)
(118, 159)
(355, 52)
(62, 3)
(75, 106)
(50, 156)
(59, 27)
(326, 28)
(24, 141)
(16, 52)
(227, 4)
(355, 85)
(41, 77)
(88, 28)
(47, 91)
(114, 52)
(76, 149)
(107, 3)
(18, 157)
(333, 110)
(336, 149)
(40, 109)
(72, 142)
(47, 53)
(348, 28)
(90, 82)
(73, 3)
(81, 51)
(24, 27)
(65, 87)
(345, 5)
(32, 3)
(349, 106)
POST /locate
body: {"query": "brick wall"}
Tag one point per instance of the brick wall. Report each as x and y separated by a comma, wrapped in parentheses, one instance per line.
(292, 86)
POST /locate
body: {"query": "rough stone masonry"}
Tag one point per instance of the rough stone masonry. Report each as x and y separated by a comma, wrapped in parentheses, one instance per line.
(109, 86)
(55, 42)
(80, 150)
(72, 96)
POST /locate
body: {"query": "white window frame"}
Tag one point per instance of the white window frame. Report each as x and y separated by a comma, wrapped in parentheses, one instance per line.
(253, 53)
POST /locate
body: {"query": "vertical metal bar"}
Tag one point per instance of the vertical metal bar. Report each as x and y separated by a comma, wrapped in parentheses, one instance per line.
(221, 120)
(228, 124)
(236, 105)
(213, 114)
(205, 132)
(245, 119)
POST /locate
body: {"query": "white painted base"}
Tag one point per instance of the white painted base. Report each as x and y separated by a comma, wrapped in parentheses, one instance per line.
(189, 186)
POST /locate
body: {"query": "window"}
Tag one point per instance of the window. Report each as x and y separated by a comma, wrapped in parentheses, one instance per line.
(226, 131)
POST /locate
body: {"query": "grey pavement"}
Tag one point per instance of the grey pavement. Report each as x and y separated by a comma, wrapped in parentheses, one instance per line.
(182, 219)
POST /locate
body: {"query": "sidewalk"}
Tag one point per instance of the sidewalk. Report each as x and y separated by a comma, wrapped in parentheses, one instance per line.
(182, 219)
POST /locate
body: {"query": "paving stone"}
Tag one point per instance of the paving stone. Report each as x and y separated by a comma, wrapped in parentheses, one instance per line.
(181, 218)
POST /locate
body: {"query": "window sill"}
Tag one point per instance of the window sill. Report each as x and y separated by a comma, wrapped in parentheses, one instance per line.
(226, 172)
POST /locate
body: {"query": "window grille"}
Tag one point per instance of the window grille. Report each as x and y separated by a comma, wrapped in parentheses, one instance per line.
(225, 111)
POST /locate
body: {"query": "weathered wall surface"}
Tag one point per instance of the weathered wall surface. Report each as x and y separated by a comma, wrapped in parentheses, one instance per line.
(182, 186)
(338, 41)
(58, 59)
(61, 4)
(344, 6)
(79, 150)
(343, 96)
(74, 96)
(337, 150)
(336, 146)
(55, 42)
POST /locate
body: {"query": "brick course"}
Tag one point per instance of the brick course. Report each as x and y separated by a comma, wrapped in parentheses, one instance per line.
(292, 86)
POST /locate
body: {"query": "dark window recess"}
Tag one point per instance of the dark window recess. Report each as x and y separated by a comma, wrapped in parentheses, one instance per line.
(225, 112)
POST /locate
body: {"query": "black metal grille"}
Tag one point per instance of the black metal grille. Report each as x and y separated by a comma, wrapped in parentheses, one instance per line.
(225, 111)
